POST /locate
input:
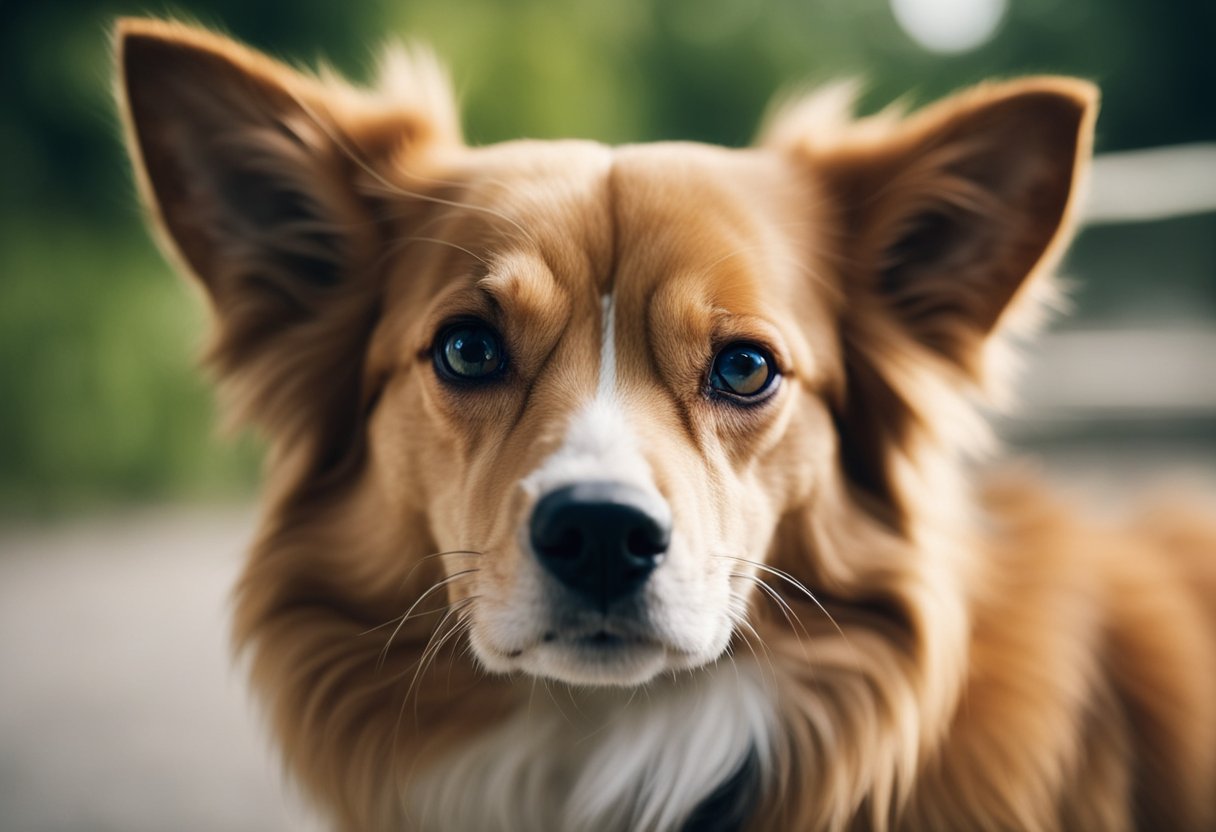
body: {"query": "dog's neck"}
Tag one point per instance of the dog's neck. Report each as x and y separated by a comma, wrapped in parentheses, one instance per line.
(682, 752)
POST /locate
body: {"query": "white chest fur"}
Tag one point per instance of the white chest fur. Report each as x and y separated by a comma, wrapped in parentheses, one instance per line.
(618, 760)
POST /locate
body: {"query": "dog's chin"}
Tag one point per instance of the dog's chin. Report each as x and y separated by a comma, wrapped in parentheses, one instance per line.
(597, 659)
(600, 659)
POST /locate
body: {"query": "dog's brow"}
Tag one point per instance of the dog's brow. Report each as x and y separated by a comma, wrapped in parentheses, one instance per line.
(522, 287)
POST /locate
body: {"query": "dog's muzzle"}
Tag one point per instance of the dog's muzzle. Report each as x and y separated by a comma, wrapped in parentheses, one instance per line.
(601, 539)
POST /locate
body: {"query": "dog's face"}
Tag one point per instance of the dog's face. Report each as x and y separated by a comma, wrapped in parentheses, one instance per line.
(599, 362)
(603, 379)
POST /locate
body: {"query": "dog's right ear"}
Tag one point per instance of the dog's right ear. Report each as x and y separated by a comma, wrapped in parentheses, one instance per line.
(264, 181)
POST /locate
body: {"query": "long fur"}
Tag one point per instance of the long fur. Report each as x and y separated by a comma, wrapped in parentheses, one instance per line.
(907, 646)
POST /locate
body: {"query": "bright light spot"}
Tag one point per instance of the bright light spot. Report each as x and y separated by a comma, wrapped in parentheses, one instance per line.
(949, 25)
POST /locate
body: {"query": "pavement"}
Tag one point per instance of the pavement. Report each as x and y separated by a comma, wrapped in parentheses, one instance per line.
(120, 708)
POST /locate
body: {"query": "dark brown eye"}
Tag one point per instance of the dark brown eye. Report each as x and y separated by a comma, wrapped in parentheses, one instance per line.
(743, 371)
(470, 351)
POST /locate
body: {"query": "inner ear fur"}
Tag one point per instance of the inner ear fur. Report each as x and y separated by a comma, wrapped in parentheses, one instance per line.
(949, 214)
(264, 183)
(945, 219)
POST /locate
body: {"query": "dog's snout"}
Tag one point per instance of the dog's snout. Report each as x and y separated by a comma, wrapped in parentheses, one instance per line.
(601, 539)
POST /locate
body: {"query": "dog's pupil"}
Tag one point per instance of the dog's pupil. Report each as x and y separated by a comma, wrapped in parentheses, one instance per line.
(744, 370)
(472, 352)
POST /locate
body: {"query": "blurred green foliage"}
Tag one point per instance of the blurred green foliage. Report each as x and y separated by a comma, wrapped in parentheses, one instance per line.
(99, 401)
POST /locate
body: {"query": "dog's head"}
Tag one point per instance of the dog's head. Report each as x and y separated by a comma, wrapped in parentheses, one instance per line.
(608, 381)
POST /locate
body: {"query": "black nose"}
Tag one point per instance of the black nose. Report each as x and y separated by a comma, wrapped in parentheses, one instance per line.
(601, 539)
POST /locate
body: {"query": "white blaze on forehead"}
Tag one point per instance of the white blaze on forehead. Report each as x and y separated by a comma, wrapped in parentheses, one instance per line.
(599, 443)
(606, 389)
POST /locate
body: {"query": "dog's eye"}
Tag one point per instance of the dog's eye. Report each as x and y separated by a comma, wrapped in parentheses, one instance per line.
(469, 350)
(743, 371)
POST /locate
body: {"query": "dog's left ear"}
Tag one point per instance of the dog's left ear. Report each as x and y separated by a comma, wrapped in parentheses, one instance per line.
(948, 213)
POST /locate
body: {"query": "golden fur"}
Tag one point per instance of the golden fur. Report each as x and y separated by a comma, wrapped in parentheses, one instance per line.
(991, 660)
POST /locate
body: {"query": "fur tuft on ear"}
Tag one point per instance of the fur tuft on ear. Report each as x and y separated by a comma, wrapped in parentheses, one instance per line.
(948, 222)
(948, 214)
(263, 181)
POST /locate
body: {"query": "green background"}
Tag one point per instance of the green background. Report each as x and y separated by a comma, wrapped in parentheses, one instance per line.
(100, 404)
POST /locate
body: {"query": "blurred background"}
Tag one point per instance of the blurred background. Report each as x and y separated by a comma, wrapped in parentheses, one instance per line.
(122, 515)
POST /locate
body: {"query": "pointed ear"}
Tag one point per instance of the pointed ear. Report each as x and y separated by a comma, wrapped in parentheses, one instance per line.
(260, 178)
(251, 166)
(949, 213)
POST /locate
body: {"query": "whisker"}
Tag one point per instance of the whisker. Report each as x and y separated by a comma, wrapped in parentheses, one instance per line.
(458, 628)
(399, 245)
(783, 605)
(442, 242)
(396, 190)
(794, 582)
(730, 654)
(422, 560)
(397, 619)
(556, 704)
(737, 611)
(418, 666)
(570, 695)
(408, 613)
(768, 656)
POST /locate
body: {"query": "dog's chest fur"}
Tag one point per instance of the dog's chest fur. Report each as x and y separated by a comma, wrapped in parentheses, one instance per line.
(661, 758)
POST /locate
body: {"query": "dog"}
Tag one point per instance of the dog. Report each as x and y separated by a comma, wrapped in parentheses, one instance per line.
(634, 488)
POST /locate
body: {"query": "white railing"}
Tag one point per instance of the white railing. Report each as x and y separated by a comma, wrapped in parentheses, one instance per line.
(1078, 376)
(1154, 184)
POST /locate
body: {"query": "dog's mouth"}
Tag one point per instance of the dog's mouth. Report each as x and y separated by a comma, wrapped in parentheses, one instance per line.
(602, 639)
(599, 654)
(599, 640)
(600, 657)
